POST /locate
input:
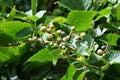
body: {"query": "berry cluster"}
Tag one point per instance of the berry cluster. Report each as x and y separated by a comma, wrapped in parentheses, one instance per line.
(57, 38)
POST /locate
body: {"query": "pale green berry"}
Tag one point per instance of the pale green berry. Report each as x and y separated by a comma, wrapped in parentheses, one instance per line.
(34, 37)
(43, 28)
(63, 47)
(58, 31)
(49, 37)
(99, 51)
(59, 40)
(51, 43)
(77, 37)
(51, 26)
(49, 30)
(30, 39)
(67, 37)
(83, 34)
(55, 45)
(72, 28)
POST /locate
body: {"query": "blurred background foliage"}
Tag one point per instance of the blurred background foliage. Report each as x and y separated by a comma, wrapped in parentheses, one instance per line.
(25, 5)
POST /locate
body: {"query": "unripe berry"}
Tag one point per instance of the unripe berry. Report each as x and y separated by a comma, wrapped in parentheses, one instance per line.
(66, 38)
(99, 51)
(77, 37)
(51, 26)
(59, 40)
(58, 31)
(63, 47)
(49, 30)
(34, 37)
(30, 39)
(55, 45)
(72, 28)
(43, 29)
(49, 37)
(39, 39)
(51, 43)
(83, 34)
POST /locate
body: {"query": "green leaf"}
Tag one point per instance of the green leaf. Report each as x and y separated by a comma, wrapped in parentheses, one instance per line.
(11, 15)
(9, 3)
(118, 12)
(112, 1)
(70, 73)
(44, 56)
(60, 20)
(24, 33)
(113, 57)
(9, 30)
(40, 14)
(104, 12)
(32, 18)
(112, 39)
(94, 59)
(12, 53)
(34, 6)
(82, 20)
(36, 17)
(82, 75)
(76, 5)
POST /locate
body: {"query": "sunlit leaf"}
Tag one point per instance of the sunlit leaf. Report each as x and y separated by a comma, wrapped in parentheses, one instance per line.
(82, 20)
(103, 13)
(11, 15)
(44, 56)
(12, 53)
(112, 39)
(70, 73)
(8, 31)
(34, 6)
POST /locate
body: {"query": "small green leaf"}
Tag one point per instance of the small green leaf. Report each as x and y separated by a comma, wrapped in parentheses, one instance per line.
(112, 1)
(104, 12)
(112, 39)
(32, 18)
(40, 14)
(113, 57)
(34, 6)
(82, 20)
(70, 73)
(11, 15)
(82, 75)
(60, 20)
(118, 12)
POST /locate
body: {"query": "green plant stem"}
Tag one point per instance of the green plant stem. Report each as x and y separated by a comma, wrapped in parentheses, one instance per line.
(96, 67)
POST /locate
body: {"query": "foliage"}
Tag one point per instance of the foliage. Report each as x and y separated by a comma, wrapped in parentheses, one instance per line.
(75, 40)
